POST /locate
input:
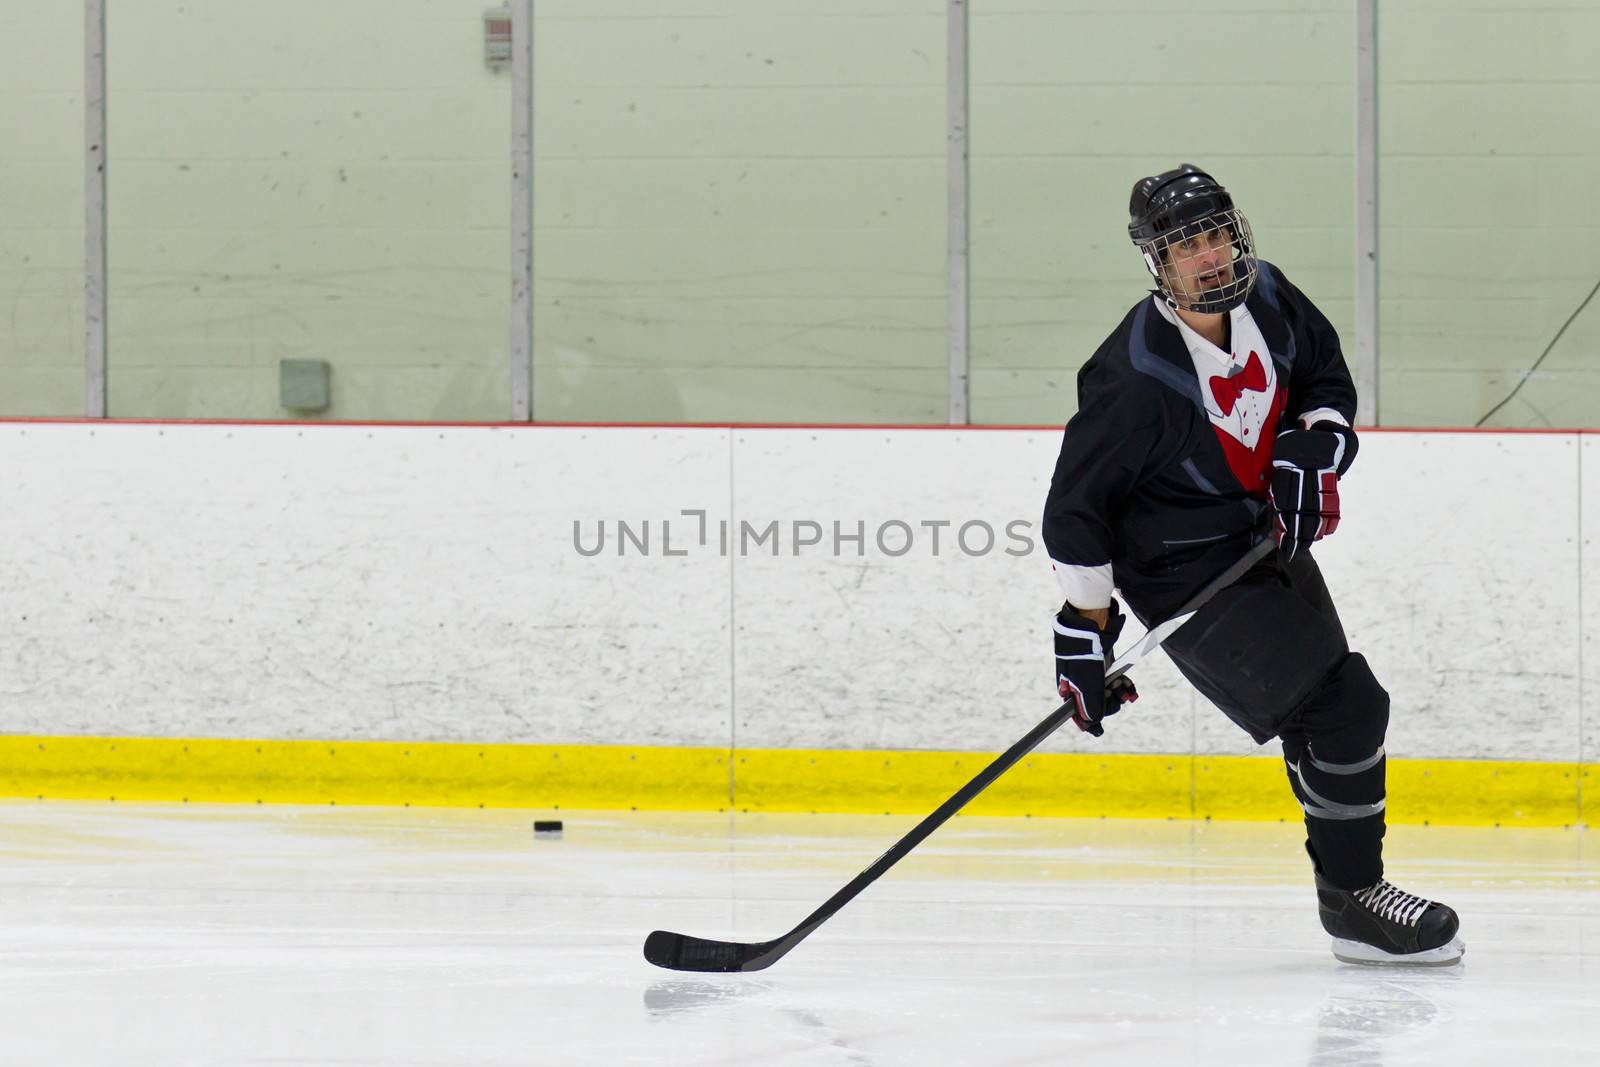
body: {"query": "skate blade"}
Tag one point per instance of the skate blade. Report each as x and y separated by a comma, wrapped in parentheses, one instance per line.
(1347, 951)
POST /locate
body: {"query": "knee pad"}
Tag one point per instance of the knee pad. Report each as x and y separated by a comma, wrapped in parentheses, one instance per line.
(1348, 715)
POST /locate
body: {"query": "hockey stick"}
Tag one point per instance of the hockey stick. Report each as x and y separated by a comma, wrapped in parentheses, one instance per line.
(681, 952)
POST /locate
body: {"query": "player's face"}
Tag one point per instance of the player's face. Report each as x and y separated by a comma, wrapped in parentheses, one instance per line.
(1200, 263)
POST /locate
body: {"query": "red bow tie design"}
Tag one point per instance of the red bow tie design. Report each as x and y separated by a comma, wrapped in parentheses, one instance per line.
(1253, 378)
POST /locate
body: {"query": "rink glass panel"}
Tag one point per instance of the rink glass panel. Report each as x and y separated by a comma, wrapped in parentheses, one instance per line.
(1072, 101)
(739, 211)
(1488, 162)
(306, 181)
(41, 225)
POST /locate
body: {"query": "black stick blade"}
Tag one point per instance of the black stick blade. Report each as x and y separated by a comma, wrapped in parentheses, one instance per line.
(679, 952)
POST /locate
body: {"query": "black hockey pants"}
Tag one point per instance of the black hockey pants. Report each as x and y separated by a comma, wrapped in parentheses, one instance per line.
(1270, 652)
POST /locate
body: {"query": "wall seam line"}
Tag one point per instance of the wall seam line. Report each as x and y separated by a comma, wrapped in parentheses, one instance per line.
(1366, 213)
(733, 641)
(521, 210)
(95, 226)
(1578, 816)
(958, 217)
(1194, 755)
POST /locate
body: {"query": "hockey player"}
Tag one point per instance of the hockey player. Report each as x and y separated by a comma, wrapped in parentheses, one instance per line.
(1216, 414)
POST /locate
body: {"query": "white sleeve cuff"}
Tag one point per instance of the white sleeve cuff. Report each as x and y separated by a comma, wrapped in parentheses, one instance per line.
(1311, 418)
(1087, 588)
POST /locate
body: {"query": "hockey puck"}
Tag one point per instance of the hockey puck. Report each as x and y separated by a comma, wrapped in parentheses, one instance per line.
(547, 826)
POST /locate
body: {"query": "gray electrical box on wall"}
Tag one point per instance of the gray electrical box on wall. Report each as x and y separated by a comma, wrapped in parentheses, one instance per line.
(497, 37)
(303, 384)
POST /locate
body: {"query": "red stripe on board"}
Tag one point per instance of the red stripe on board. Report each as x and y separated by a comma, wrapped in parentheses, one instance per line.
(80, 421)
(48, 420)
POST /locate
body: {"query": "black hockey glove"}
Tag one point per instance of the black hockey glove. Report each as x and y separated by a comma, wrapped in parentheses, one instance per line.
(1083, 652)
(1306, 465)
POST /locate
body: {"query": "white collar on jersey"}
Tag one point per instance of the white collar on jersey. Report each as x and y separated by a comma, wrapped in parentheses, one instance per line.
(1202, 351)
(1241, 327)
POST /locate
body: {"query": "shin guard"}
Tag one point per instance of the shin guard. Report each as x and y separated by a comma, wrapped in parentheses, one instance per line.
(1335, 759)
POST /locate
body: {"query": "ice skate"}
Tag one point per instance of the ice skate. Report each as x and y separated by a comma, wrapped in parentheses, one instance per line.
(1382, 924)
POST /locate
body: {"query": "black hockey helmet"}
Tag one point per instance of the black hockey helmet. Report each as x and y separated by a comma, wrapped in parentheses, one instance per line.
(1179, 206)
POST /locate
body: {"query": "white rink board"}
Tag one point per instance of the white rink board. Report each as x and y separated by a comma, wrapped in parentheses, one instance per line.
(422, 583)
(1455, 571)
(386, 583)
(918, 651)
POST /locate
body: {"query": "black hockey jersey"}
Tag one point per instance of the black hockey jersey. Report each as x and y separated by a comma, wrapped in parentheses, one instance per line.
(1161, 480)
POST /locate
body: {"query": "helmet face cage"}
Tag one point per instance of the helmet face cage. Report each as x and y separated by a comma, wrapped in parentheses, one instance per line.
(1220, 245)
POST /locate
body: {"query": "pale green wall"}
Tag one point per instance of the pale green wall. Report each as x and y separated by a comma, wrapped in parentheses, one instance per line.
(1075, 101)
(740, 210)
(308, 180)
(41, 208)
(740, 204)
(1488, 181)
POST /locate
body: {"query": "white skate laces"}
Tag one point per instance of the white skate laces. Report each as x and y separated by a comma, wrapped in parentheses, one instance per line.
(1393, 904)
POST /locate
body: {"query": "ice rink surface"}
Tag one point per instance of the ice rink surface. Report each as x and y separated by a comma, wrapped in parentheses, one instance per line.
(173, 934)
